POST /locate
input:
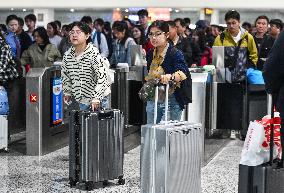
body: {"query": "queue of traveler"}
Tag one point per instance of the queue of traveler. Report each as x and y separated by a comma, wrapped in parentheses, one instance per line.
(171, 48)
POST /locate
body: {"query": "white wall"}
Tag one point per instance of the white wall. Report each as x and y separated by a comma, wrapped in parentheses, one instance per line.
(229, 4)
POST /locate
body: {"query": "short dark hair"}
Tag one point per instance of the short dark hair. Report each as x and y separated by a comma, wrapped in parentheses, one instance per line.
(246, 24)
(87, 19)
(162, 25)
(84, 27)
(10, 18)
(100, 21)
(30, 17)
(58, 23)
(277, 22)
(262, 17)
(67, 27)
(3, 27)
(232, 14)
(181, 21)
(107, 26)
(187, 20)
(171, 23)
(142, 12)
(43, 34)
(21, 21)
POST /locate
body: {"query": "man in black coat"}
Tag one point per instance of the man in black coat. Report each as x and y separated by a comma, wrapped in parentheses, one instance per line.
(273, 74)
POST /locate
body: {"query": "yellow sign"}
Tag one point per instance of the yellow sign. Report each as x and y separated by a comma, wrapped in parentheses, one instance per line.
(208, 11)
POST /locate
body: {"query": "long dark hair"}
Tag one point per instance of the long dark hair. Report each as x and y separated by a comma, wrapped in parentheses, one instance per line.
(54, 27)
(85, 29)
(43, 34)
(121, 26)
(143, 39)
(201, 38)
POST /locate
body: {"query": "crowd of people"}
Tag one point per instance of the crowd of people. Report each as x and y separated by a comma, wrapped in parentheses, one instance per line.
(171, 46)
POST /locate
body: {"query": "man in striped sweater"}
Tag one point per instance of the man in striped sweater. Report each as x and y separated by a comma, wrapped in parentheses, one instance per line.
(83, 70)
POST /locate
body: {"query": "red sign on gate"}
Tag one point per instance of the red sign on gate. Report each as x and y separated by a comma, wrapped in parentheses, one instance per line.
(33, 98)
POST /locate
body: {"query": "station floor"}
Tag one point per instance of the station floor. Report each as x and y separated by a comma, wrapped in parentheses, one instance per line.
(49, 173)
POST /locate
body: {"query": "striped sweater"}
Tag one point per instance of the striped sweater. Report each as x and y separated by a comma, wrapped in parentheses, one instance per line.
(85, 79)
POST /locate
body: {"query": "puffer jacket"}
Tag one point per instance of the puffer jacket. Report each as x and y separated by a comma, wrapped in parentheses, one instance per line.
(247, 54)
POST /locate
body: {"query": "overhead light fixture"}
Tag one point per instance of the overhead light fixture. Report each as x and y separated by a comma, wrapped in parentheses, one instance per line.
(170, 9)
(72, 10)
(117, 9)
(24, 10)
(176, 10)
(12, 9)
(126, 10)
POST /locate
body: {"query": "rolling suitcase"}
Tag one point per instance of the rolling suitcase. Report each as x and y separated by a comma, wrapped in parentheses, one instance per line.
(95, 148)
(170, 156)
(4, 133)
(265, 178)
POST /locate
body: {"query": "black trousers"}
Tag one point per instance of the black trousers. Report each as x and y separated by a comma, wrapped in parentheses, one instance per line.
(280, 108)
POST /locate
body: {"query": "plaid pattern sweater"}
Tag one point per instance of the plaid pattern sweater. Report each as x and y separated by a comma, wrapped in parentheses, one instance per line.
(7, 64)
(86, 78)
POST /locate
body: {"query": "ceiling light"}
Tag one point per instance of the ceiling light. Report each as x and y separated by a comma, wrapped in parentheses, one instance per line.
(117, 9)
(12, 9)
(176, 10)
(126, 10)
(170, 9)
(24, 10)
(72, 10)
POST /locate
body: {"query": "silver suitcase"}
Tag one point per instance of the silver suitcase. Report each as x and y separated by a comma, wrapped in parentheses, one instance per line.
(4, 132)
(171, 155)
(96, 148)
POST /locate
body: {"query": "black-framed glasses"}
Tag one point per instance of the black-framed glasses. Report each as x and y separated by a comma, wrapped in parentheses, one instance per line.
(77, 32)
(151, 35)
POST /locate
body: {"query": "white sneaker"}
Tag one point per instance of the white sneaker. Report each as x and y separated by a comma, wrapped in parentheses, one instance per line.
(233, 134)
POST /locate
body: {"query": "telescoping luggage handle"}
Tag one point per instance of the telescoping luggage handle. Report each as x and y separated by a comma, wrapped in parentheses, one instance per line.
(271, 102)
(166, 101)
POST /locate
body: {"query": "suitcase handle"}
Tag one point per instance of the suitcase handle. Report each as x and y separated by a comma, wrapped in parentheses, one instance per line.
(271, 143)
(105, 115)
(166, 101)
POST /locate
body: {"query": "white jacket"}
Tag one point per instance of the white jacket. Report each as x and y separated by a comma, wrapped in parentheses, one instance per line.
(85, 79)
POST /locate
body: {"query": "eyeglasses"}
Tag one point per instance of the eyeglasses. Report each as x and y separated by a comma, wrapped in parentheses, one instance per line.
(151, 35)
(77, 32)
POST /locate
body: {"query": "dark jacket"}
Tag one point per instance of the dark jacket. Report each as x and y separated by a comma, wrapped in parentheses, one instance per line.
(273, 71)
(263, 47)
(25, 41)
(190, 49)
(173, 62)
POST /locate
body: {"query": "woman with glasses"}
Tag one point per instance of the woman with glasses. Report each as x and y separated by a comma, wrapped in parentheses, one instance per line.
(83, 70)
(165, 63)
(42, 53)
(122, 44)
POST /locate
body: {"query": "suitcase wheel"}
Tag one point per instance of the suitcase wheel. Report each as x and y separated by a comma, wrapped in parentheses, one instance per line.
(121, 180)
(105, 182)
(87, 186)
(72, 183)
(5, 150)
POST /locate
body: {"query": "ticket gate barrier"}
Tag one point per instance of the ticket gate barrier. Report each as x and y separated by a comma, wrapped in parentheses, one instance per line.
(46, 128)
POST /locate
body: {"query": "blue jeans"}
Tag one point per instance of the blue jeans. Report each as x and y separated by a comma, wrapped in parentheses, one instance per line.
(104, 104)
(174, 111)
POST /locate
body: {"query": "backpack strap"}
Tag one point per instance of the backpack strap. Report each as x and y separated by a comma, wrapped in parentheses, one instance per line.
(98, 36)
(222, 37)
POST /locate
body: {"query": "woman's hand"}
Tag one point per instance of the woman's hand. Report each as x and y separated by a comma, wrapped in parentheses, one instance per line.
(67, 99)
(95, 105)
(165, 78)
